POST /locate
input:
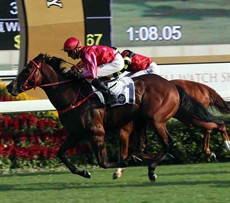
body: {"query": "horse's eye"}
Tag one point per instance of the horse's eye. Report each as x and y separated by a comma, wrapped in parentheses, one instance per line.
(27, 71)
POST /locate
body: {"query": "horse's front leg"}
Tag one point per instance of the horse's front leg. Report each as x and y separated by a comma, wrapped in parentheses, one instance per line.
(69, 143)
(99, 147)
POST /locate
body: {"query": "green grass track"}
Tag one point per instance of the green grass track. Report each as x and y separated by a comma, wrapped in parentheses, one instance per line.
(195, 183)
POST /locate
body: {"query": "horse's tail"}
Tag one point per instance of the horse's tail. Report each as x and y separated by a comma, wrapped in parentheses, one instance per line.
(195, 109)
(218, 102)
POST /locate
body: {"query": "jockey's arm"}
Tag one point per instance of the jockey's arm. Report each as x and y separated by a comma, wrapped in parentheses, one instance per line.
(90, 71)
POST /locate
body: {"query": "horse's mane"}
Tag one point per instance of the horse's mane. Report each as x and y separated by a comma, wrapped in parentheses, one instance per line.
(53, 61)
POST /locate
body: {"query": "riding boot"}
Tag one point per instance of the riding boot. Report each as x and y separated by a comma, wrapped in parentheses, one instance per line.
(110, 96)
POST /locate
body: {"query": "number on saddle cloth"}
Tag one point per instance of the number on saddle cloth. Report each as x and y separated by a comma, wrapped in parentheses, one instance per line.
(124, 89)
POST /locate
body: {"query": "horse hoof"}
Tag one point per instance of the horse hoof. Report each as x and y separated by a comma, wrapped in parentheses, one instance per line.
(118, 173)
(152, 177)
(227, 144)
(213, 156)
(86, 174)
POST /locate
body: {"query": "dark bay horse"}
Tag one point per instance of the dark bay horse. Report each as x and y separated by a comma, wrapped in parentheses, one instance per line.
(84, 116)
(200, 92)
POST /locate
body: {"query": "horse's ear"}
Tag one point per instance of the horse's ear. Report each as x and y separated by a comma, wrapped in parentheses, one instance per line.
(40, 55)
(45, 56)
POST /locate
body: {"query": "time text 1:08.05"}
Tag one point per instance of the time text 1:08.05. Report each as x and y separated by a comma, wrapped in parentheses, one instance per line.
(153, 33)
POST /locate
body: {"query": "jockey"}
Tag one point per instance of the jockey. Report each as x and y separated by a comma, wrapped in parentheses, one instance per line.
(136, 65)
(100, 61)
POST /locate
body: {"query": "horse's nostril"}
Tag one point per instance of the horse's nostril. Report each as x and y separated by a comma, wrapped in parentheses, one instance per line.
(21, 89)
(9, 87)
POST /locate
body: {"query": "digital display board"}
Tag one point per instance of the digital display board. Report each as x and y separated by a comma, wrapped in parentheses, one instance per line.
(170, 23)
(168, 31)
(97, 17)
(173, 31)
(9, 26)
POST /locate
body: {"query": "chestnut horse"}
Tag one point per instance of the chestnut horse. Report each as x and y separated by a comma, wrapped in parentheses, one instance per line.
(200, 92)
(84, 116)
(210, 99)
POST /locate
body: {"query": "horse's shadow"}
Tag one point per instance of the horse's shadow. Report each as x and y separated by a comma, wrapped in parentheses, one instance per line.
(185, 13)
(196, 173)
(105, 185)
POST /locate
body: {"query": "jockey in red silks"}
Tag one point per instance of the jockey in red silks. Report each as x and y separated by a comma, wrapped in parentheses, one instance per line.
(136, 65)
(100, 61)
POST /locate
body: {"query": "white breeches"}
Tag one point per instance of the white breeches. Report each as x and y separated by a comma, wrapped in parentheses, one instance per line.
(109, 68)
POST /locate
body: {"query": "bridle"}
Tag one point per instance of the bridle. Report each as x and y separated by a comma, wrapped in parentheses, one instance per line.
(36, 67)
(26, 85)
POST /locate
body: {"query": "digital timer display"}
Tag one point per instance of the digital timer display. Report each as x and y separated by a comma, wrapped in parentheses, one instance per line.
(170, 23)
(153, 33)
(9, 26)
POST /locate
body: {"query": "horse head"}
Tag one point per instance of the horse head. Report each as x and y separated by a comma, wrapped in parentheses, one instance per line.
(38, 72)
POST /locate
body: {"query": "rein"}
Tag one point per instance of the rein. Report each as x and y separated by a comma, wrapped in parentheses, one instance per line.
(61, 82)
(55, 83)
(75, 105)
(79, 70)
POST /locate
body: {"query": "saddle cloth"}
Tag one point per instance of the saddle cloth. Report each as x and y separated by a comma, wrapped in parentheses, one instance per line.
(123, 88)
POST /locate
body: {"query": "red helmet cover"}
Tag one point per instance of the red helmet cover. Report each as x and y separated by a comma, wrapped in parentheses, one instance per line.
(72, 43)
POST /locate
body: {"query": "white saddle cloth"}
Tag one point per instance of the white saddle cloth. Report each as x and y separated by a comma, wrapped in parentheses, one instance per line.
(123, 88)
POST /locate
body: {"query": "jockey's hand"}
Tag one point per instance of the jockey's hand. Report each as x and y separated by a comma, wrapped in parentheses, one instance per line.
(105, 78)
(78, 75)
(73, 74)
(69, 74)
(78, 67)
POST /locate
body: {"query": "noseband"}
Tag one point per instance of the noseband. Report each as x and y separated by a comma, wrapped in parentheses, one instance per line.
(26, 85)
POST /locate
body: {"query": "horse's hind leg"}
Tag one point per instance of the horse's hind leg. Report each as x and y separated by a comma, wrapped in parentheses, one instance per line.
(225, 136)
(136, 136)
(167, 142)
(210, 126)
(206, 147)
(69, 143)
(125, 132)
(132, 137)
